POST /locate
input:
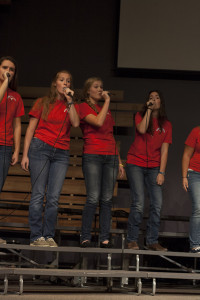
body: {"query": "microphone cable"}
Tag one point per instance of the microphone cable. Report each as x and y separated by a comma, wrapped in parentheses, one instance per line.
(146, 141)
(6, 109)
(4, 157)
(115, 151)
(115, 159)
(146, 138)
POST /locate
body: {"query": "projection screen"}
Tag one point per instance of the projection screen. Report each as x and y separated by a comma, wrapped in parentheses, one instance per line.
(159, 35)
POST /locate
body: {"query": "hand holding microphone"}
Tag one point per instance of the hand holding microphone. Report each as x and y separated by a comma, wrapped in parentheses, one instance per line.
(106, 95)
(111, 94)
(6, 75)
(68, 93)
(150, 104)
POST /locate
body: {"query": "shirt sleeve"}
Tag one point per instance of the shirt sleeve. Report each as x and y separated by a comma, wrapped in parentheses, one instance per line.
(36, 110)
(20, 108)
(138, 118)
(168, 137)
(84, 110)
(192, 137)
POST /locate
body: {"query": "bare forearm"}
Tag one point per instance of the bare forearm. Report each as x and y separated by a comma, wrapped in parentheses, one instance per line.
(27, 141)
(102, 115)
(29, 134)
(144, 124)
(3, 89)
(74, 118)
(17, 138)
(185, 165)
(163, 162)
(164, 157)
(187, 154)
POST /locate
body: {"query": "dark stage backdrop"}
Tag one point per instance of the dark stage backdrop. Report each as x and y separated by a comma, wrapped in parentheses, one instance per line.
(82, 36)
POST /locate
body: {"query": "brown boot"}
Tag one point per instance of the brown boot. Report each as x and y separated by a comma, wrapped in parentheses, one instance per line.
(156, 247)
(133, 246)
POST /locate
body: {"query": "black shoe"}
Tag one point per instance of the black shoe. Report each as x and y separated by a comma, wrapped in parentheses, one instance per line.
(108, 245)
(85, 244)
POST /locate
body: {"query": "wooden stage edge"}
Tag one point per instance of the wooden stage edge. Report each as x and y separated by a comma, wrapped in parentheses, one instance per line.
(99, 250)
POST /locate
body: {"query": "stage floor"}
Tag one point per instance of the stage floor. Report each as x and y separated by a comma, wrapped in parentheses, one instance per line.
(45, 290)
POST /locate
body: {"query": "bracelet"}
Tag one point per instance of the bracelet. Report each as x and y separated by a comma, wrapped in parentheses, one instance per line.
(163, 173)
(121, 165)
(70, 103)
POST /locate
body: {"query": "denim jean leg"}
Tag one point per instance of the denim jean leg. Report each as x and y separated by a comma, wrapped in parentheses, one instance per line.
(135, 175)
(5, 159)
(194, 192)
(92, 170)
(155, 197)
(39, 164)
(57, 172)
(109, 176)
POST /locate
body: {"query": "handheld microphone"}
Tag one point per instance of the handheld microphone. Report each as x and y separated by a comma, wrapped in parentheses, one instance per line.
(8, 75)
(150, 104)
(70, 95)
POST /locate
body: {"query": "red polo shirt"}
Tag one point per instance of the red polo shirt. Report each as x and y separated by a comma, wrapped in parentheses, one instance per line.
(145, 150)
(15, 109)
(97, 140)
(55, 131)
(193, 140)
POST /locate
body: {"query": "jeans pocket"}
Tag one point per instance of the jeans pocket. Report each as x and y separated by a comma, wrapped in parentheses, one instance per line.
(65, 154)
(36, 144)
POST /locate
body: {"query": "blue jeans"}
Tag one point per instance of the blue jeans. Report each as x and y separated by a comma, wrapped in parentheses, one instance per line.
(100, 172)
(48, 167)
(5, 159)
(194, 191)
(138, 178)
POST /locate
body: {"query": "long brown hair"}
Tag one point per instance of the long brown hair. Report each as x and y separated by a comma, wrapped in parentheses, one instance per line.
(88, 83)
(50, 99)
(13, 82)
(162, 116)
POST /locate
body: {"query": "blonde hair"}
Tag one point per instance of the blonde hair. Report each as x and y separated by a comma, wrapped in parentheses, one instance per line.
(50, 99)
(88, 83)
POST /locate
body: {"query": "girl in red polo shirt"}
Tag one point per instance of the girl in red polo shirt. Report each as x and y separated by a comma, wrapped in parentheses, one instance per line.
(11, 110)
(146, 163)
(47, 155)
(191, 183)
(101, 161)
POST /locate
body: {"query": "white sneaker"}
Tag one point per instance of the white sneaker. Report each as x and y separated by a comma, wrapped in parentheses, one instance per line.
(51, 242)
(195, 249)
(40, 242)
